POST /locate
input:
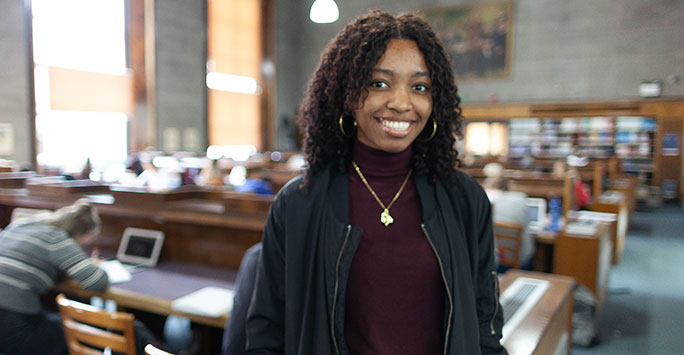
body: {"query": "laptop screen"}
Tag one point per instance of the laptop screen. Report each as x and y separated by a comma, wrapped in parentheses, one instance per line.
(140, 246)
(534, 212)
(536, 208)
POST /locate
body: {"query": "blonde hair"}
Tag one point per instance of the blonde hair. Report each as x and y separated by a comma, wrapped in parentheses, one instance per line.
(77, 219)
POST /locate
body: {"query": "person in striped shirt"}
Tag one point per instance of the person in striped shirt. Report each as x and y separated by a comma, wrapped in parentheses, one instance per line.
(34, 253)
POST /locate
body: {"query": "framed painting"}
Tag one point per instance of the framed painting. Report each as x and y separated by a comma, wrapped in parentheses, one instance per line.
(477, 36)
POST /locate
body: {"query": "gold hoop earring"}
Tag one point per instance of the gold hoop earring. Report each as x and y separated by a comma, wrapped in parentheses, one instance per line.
(341, 122)
(434, 130)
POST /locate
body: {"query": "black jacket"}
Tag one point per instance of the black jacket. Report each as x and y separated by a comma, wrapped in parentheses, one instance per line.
(298, 305)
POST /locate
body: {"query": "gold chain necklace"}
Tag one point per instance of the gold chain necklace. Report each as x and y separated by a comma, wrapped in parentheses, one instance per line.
(385, 217)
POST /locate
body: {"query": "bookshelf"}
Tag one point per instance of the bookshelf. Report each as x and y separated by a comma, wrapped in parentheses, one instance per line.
(633, 131)
(635, 145)
(629, 138)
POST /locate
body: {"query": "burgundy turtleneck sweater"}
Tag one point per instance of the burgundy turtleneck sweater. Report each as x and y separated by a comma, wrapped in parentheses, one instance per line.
(395, 292)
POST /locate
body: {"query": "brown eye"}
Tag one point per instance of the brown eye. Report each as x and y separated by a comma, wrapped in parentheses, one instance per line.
(421, 87)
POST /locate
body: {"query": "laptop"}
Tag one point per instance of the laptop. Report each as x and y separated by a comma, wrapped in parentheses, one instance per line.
(138, 248)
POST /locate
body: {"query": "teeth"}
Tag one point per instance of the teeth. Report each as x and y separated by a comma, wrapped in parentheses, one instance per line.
(396, 125)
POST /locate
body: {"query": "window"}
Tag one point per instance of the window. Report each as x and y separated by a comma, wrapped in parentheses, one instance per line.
(486, 138)
(83, 88)
(80, 34)
(69, 138)
(235, 56)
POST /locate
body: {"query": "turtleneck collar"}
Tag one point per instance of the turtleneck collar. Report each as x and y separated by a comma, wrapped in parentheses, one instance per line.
(380, 163)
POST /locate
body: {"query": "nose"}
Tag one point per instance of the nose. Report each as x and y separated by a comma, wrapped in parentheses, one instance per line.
(400, 101)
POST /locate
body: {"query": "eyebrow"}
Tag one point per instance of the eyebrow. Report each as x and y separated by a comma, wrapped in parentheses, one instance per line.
(391, 73)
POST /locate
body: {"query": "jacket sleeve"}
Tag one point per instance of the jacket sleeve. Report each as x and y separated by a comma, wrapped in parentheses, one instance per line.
(265, 326)
(487, 282)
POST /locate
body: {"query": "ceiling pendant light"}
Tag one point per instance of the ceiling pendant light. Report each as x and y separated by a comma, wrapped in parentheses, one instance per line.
(324, 11)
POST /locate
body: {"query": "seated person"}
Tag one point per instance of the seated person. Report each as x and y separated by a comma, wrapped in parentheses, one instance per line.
(582, 195)
(158, 179)
(510, 207)
(577, 158)
(35, 253)
(234, 336)
(492, 182)
(580, 189)
(558, 170)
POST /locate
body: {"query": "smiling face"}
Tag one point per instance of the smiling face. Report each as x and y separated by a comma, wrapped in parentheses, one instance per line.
(399, 100)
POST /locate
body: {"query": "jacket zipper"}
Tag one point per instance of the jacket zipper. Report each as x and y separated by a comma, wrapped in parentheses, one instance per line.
(446, 285)
(496, 300)
(337, 283)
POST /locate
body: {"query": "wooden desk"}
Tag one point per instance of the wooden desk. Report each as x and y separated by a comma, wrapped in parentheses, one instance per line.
(548, 326)
(620, 208)
(11, 180)
(152, 290)
(628, 185)
(64, 188)
(532, 183)
(543, 253)
(587, 259)
(198, 231)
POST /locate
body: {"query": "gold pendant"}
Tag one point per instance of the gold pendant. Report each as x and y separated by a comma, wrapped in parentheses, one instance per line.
(385, 218)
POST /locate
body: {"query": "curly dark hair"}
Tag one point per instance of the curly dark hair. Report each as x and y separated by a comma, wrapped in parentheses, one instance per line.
(344, 74)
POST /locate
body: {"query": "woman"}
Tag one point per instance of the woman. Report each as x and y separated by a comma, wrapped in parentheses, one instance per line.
(34, 253)
(382, 246)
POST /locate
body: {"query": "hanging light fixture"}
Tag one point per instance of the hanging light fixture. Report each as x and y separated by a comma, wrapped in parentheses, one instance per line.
(324, 11)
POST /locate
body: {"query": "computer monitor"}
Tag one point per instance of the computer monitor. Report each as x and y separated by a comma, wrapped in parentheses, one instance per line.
(537, 211)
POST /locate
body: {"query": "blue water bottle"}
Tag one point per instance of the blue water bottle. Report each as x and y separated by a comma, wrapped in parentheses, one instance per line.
(555, 211)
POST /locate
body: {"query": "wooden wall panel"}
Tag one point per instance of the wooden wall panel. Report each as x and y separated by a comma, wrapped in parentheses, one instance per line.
(234, 36)
(234, 118)
(234, 46)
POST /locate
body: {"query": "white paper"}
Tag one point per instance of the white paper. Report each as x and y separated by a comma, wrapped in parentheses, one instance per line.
(115, 271)
(209, 302)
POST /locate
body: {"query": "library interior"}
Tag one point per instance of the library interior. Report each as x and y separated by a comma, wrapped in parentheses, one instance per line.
(177, 122)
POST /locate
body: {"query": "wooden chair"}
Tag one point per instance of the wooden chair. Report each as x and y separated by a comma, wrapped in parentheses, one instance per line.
(508, 238)
(88, 328)
(153, 350)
